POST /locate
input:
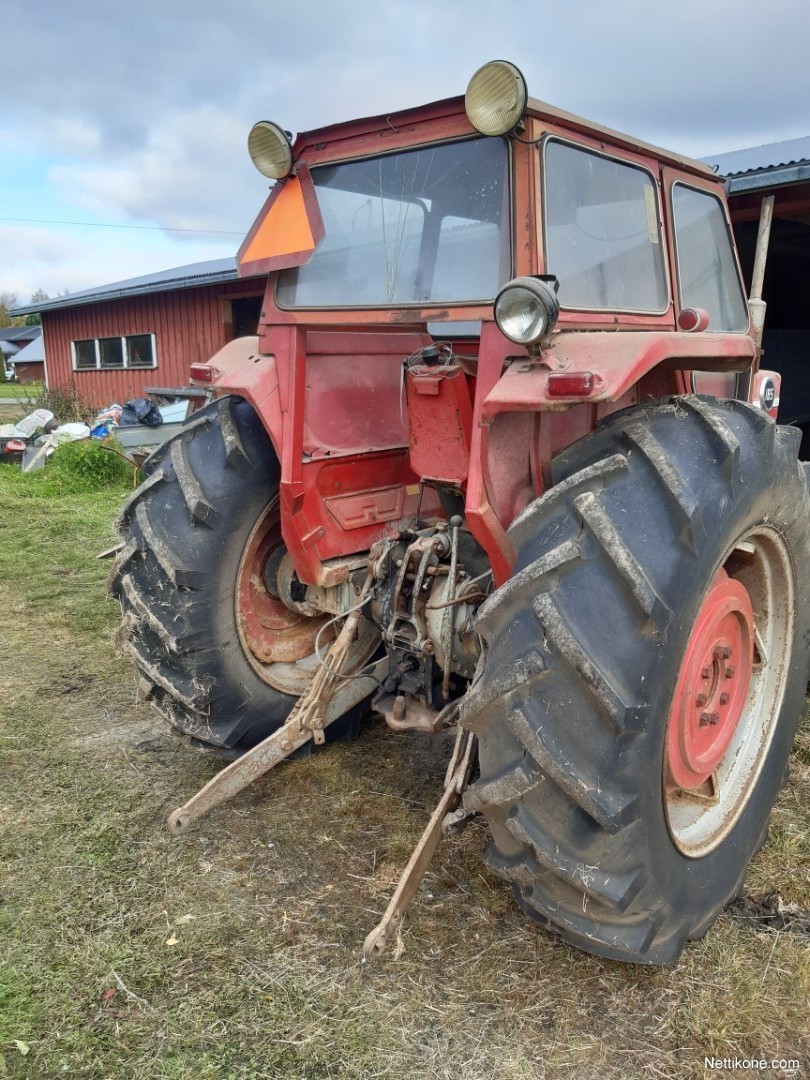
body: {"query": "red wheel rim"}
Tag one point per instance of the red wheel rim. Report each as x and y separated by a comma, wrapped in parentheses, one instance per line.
(712, 689)
(270, 630)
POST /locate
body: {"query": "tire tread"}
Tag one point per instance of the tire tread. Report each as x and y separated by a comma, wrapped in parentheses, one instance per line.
(201, 510)
(570, 779)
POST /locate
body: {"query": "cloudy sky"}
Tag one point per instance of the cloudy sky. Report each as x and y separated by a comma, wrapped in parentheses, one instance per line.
(131, 119)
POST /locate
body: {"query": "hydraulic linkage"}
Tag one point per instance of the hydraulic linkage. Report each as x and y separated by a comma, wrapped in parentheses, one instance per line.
(324, 701)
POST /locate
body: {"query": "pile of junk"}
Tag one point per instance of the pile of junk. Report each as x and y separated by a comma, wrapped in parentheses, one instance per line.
(139, 426)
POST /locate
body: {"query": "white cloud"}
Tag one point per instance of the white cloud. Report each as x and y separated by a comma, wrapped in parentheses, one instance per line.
(72, 135)
(30, 255)
(69, 260)
(181, 177)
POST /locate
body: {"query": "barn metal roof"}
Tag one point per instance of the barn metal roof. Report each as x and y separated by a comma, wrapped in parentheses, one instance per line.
(33, 352)
(14, 338)
(211, 272)
(19, 333)
(758, 167)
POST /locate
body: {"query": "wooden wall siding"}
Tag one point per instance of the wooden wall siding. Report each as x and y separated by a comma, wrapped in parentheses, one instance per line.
(188, 327)
(34, 372)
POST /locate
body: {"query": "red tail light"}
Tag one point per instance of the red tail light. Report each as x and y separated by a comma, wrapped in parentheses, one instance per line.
(571, 384)
(202, 373)
(693, 320)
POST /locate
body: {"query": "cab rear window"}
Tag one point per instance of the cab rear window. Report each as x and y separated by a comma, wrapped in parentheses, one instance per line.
(422, 226)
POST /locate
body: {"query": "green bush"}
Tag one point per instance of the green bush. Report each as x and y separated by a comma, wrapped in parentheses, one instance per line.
(88, 465)
(67, 405)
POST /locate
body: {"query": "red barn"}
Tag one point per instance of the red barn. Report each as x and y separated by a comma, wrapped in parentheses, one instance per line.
(111, 342)
(29, 363)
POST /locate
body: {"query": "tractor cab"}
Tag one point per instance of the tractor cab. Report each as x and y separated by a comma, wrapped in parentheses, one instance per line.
(507, 233)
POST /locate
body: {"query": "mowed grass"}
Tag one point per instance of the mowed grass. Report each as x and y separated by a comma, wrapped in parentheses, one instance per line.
(23, 391)
(234, 950)
(13, 409)
(17, 403)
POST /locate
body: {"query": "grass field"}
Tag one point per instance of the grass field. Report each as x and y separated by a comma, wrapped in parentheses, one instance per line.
(13, 408)
(16, 401)
(233, 951)
(26, 391)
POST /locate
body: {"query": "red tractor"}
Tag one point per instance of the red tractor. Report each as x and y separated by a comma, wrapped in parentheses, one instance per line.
(500, 458)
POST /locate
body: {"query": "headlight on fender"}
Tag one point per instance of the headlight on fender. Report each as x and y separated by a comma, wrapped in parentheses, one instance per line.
(526, 309)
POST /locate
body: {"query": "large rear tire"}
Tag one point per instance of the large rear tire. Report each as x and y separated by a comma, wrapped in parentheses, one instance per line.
(644, 672)
(220, 657)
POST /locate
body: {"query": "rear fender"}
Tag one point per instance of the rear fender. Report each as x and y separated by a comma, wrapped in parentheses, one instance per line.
(617, 362)
(508, 466)
(240, 368)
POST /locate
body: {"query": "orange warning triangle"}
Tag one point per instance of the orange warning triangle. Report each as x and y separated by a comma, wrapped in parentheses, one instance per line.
(287, 230)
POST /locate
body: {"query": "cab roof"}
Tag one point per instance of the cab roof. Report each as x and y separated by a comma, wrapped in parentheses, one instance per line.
(452, 107)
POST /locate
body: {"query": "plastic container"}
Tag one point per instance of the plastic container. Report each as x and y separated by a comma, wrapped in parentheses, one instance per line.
(36, 421)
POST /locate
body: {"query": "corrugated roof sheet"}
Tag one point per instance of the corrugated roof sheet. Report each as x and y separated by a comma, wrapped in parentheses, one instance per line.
(755, 158)
(211, 272)
(33, 352)
(19, 333)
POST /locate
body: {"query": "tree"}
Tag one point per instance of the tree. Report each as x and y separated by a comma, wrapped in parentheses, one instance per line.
(8, 301)
(36, 298)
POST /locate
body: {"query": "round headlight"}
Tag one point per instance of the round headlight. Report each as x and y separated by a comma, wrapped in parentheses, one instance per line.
(496, 98)
(270, 150)
(526, 310)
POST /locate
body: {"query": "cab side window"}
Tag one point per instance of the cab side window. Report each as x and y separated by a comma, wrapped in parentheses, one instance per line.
(707, 272)
(602, 231)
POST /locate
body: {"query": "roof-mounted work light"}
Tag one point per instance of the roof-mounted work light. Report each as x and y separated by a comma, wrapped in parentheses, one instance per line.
(496, 98)
(270, 150)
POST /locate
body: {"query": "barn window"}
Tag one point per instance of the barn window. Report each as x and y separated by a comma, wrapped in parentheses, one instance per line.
(84, 354)
(112, 353)
(140, 352)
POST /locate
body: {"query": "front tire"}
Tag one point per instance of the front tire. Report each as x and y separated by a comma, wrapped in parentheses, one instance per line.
(626, 777)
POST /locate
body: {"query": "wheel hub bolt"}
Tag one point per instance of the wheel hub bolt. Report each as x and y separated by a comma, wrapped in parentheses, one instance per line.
(730, 669)
(709, 718)
(701, 700)
(724, 698)
(726, 652)
(704, 719)
(706, 672)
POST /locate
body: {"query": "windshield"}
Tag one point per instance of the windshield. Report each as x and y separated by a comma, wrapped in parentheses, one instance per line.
(418, 227)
